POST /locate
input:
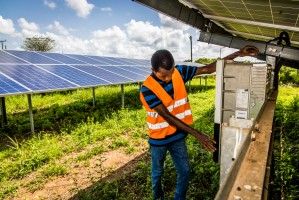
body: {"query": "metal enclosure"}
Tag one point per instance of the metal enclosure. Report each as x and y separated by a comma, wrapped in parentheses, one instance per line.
(241, 90)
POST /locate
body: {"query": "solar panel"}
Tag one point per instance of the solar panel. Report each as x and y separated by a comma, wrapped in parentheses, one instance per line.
(32, 57)
(118, 61)
(62, 58)
(105, 60)
(35, 78)
(6, 58)
(131, 61)
(75, 75)
(123, 72)
(112, 77)
(25, 72)
(8, 86)
(86, 59)
(146, 71)
(143, 62)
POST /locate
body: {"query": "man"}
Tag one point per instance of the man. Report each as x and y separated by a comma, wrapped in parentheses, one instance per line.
(164, 96)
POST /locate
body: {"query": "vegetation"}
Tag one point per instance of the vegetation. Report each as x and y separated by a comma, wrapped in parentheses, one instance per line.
(40, 43)
(289, 75)
(206, 61)
(286, 145)
(66, 123)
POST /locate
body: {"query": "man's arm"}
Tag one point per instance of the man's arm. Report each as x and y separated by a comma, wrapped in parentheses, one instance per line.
(204, 139)
(245, 51)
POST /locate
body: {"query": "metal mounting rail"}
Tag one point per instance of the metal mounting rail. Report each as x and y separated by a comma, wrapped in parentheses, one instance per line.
(288, 53)
(248, 177)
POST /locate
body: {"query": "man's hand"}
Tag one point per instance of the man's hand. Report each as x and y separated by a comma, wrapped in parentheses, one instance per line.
(206, 141)
(248, 51)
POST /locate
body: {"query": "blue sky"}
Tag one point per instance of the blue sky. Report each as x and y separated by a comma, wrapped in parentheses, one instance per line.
(120, 28)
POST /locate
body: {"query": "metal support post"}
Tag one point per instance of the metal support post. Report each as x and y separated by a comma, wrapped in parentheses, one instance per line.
(122, 96)
(30, 113)
(3, 111)
(93, 97)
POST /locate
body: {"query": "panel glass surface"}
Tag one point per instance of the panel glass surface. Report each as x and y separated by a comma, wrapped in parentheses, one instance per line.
(86, 59)
(126, 72)
(132, 61)
(105, 60)
(35, 78)
(32, 57)
(121, 61)
(63, 58)
(146, 71)
(9, 59)
(75, 75)
(106, 75)
(123, 72)
(145, 62)
(8, 86)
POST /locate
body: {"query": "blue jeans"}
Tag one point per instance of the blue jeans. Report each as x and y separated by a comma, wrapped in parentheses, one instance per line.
(179, 155)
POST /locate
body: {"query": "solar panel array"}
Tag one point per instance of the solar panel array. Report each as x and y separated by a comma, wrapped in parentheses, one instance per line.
(26, 72)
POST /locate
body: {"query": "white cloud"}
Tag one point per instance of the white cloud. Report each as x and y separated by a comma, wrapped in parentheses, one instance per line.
(82, 7)
(58, 27)
(7, 26)
(143, 32)
(110, 41)
(27, 25)
(138, 39)
(112, 34)
(106, 9)
(149, 38)
(50, 4)
(70, 44)
(168, 22)
(28, 29)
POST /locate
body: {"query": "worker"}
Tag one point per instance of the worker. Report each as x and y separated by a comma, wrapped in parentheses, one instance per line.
(168, 116)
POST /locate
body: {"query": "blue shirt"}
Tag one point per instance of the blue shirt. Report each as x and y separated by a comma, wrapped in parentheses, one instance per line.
(187, 73)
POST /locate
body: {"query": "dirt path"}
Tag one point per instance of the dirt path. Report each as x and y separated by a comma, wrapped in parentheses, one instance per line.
(81, 175)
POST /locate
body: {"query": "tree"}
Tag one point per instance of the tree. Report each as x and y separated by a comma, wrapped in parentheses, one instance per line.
(39, 44)
(206, 61)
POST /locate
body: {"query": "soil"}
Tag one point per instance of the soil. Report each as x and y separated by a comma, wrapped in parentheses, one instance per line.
(81, 175)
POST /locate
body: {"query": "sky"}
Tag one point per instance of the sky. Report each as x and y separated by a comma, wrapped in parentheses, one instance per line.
(118, 28)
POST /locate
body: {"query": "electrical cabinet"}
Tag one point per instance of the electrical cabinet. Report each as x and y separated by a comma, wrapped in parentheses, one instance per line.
(241, 91)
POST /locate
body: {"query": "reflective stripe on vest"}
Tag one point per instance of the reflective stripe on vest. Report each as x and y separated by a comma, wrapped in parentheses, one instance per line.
(165, 124)
(170, 108)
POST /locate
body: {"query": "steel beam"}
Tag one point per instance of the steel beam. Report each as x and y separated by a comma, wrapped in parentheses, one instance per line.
(183, 13)
(288, 53)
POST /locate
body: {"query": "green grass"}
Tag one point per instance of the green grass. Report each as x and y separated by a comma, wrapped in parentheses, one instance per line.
(66, 123)
(286, 145)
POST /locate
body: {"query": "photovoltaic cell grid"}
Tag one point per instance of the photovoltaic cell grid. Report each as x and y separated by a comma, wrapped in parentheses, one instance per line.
(35, 78)
(24, 72)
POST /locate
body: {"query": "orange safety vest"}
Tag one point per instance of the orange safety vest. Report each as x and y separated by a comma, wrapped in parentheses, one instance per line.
(179, 106)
